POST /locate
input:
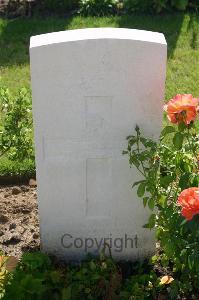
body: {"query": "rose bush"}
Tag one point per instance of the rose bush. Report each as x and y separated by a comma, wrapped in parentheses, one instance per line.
(168, 185)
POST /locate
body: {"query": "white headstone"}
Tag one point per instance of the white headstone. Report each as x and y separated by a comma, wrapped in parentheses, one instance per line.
(90, 88)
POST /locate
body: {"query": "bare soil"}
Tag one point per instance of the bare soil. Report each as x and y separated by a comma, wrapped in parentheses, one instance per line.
(19, 225)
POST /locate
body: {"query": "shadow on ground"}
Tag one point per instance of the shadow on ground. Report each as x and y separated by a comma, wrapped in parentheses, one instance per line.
(15, 34)
(170, 25)
(193, 28)
(15, 37)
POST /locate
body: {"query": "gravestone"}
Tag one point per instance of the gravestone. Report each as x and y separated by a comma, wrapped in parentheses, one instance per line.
(90, 88)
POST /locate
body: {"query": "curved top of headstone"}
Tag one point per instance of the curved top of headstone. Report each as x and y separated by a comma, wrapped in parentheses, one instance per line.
(96, 33)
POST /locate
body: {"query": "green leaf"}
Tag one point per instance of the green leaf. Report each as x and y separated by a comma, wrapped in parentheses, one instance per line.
(184, 181)
(167, 130)
(144, 156)
(152, 220)
(162, 201)
(183, 222)
(129, 137)
(55, 277)
(178, 140)
(147, 143)
(67, 293)
(151, 203)
(183, 252)
(182, 126)
(190, 262)
(124, 152)
(195, 180)
(141, 189)
(133, 160)
(151, 223)
(92, 265)
(166, 180)
(132, 141)
(169, 248)
(145, 199)
(154, 259)
(180, 4)
(137, 182)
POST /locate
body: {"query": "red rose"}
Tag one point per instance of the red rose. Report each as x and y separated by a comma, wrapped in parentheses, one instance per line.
(189, 201)
(182, 108)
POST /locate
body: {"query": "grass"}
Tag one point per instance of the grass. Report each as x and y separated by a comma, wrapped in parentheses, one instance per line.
(181, 32)
(12, 168)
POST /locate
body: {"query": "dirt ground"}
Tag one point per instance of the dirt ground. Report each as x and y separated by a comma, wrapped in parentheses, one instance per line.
(19, 225)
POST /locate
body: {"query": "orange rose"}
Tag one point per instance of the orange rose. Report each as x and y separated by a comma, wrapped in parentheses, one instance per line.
(182, 108)
(189, 201)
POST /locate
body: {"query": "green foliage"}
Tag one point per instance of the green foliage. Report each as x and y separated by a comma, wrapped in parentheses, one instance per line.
(91, 7)
(180, 4)
(140, 287)
(166, 171)
(95, 279)
(37, 278)
(57, 6)
(137, 5)
(34, 278)
(105, 7)
(159, 5)
(97, 7)
(3, 275)
(7, 265)
(16, 133)
(14, 168)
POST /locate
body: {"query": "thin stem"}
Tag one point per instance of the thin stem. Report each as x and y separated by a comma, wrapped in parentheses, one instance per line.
(190, 144)
(141, 172)
(138, 149)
